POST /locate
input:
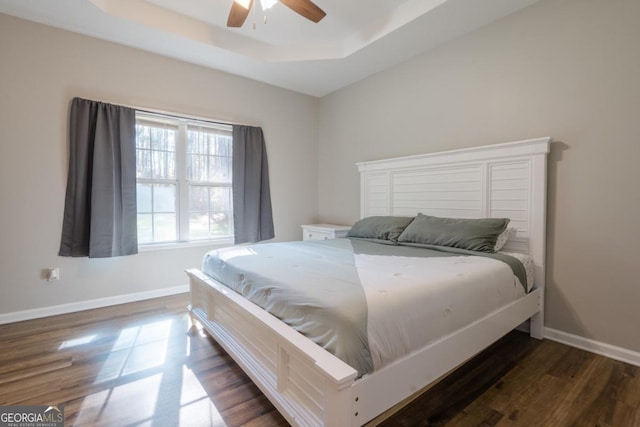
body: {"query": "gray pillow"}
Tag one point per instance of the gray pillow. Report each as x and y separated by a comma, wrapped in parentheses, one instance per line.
(379, 227)
(472, 234)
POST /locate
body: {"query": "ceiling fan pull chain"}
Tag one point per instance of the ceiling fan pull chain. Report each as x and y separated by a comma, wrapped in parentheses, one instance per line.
(255, 12)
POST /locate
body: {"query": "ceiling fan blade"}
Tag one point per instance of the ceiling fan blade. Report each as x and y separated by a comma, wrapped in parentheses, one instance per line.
(306, 8)
(238, 14)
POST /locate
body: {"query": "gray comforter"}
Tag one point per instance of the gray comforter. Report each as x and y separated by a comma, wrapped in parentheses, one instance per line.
(314, 286)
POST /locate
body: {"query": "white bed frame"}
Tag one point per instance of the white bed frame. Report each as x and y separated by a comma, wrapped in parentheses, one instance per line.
(310, 386)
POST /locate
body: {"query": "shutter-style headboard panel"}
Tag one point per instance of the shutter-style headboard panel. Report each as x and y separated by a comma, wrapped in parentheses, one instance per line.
(500, 181)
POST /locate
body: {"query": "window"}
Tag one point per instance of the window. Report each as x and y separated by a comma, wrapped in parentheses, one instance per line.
(183, 170)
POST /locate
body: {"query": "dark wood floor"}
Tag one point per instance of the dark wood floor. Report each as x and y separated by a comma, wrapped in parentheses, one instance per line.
(135, 365)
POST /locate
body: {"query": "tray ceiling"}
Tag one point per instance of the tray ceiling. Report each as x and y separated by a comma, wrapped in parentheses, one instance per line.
(357, 38)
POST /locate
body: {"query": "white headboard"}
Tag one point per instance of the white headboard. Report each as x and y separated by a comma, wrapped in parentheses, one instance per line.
(500, 181)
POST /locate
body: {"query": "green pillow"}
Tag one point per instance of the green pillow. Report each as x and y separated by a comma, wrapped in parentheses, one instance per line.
(379, 227)
(478, 234)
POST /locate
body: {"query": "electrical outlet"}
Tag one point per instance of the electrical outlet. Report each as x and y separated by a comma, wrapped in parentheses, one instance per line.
(53, 274)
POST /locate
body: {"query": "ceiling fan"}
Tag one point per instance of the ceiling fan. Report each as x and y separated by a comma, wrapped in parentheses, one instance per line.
(240, 10)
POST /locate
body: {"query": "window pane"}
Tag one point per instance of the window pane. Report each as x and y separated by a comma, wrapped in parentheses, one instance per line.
(156, 150)
(223, 146)
(164, 198)
(220, 224)
(209, 155)
(142, 136)
(156, 138)
(163, 139)
(197, 168)
(220, 198)
(143, 163)
(218, 169)
(143, 198)
(209, 212)
(145, 228)
(212, 141)
(164, 228)
(164, 165)
(199, 226)
(195, 144)
(211, 169)
(225, 169)
(198, 199)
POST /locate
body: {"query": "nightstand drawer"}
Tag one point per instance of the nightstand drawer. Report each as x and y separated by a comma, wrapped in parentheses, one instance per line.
(324, 231)
(316, 235)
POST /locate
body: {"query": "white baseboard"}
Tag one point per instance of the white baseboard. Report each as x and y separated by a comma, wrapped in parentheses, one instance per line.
(607, 350)
(37, 313)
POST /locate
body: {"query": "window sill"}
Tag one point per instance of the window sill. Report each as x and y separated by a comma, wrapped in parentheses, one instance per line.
(219, 243)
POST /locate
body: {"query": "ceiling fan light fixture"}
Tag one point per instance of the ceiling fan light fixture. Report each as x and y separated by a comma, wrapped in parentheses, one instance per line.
(240, 10)
(267, 4)
(244, 3)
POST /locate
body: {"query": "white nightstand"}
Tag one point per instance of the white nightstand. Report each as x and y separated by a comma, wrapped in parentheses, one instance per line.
(324, 231)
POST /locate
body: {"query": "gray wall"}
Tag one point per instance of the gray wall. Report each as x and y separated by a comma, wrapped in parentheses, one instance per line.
(569, 69)
(41, 70)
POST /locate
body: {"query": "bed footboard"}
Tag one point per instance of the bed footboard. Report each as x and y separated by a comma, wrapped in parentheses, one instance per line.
(311, 387)
(308, 385)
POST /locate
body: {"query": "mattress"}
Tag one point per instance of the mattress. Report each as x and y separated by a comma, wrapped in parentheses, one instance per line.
(368, 303)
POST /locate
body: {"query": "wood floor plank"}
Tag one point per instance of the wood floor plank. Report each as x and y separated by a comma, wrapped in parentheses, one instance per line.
(508, 396)
(34, 370)
(141, 364)
(578, 392)
(546, 390)
(629, 390)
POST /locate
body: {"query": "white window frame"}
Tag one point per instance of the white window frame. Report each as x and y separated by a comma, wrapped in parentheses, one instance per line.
(182, 184)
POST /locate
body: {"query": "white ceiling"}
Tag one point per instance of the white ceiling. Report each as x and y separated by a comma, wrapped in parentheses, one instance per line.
(356, 39)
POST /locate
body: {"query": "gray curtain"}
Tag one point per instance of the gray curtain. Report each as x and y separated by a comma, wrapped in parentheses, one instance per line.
(252, 216)
(100, 205)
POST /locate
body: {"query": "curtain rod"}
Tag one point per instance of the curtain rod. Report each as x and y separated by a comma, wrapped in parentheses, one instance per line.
(176, 115)
(183, 116)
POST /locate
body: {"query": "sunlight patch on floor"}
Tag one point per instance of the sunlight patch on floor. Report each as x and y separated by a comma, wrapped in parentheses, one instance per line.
(137, 348)
(201, 413)
(77, 341)
(135, 400)
(192, 390)
(196, 407)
